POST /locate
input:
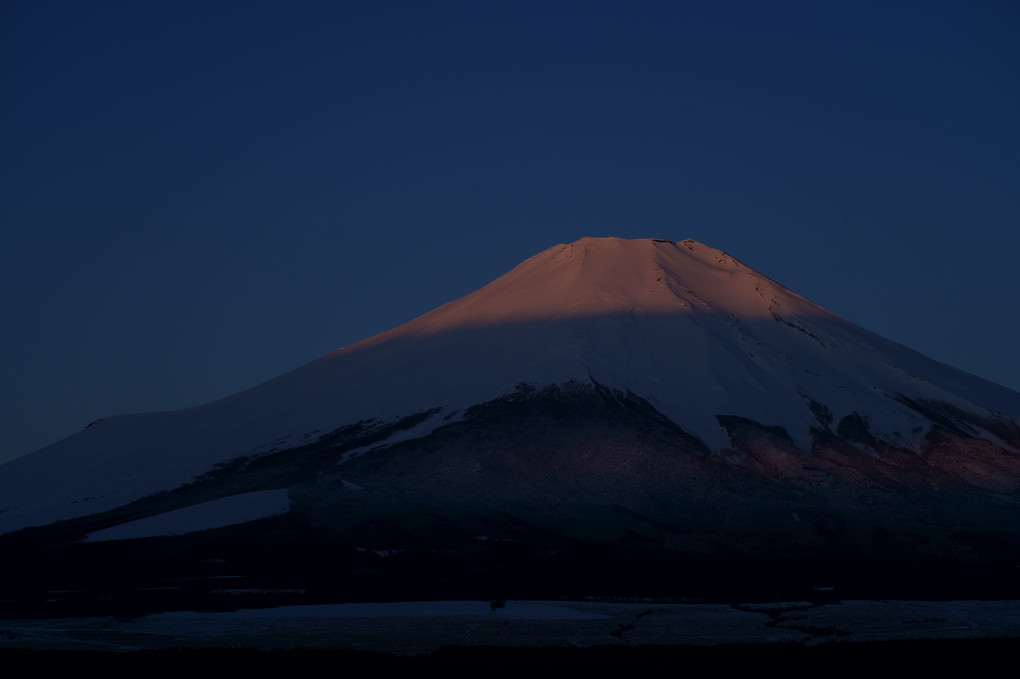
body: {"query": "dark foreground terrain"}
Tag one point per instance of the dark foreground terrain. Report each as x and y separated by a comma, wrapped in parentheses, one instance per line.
(984, 658)
(974, 638)
(279, 563)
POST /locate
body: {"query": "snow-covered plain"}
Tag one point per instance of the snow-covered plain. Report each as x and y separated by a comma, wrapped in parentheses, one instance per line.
(420, 627)
(683, 325)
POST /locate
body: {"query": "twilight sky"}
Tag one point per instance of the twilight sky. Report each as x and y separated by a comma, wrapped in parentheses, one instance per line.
(198, 196)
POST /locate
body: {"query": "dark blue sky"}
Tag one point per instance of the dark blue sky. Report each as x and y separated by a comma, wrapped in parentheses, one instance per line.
(198, 196)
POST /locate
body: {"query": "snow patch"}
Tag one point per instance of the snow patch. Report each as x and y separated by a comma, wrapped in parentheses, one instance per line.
(226, 511)
(423, 428)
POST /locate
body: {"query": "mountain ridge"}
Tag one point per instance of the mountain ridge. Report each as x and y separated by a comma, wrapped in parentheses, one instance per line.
(685, 327)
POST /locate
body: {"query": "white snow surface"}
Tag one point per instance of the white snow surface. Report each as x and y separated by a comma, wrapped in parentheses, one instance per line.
(683, 325)
(226, 511)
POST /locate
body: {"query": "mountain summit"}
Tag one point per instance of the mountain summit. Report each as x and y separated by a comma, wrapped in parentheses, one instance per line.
(599, 389)
(600, 276)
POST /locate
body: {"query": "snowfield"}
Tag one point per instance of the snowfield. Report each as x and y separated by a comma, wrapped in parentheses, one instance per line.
(420, 627)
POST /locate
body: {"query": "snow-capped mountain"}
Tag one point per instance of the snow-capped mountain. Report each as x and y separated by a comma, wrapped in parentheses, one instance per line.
(606, 372)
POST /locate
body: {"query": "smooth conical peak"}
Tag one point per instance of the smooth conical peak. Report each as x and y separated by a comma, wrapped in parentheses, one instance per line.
(602, 276)
(685, 327)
